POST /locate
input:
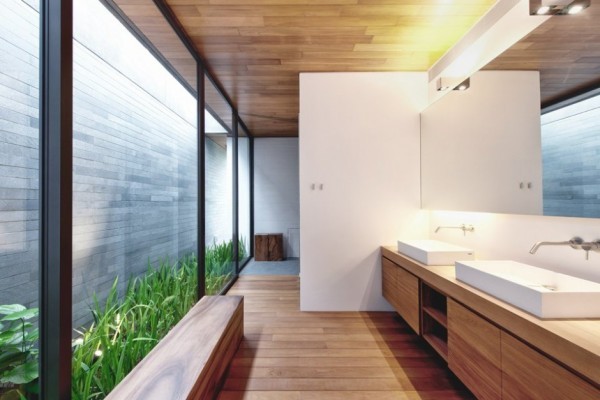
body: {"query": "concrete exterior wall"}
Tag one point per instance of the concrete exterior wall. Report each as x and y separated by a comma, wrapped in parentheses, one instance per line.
(19, 153)
(134, 166)
(277, 191)
(570, 149)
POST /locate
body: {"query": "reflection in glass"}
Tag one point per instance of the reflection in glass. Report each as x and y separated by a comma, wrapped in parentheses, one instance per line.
(219, 259)
(244, 193)
(19, 197)
(134, 200)
(570, 149)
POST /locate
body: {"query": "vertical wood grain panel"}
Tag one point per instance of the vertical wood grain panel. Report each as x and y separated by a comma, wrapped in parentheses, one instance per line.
(403, 293)
(527, 374)
(474, 351)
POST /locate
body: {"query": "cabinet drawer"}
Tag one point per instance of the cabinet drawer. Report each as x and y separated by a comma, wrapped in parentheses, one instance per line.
(474, 353)
(528, 374)
(401, 289)
(389, 284)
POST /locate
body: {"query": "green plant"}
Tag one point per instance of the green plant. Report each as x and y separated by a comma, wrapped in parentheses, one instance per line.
(126, 328)
(219, 264)
(18, 351)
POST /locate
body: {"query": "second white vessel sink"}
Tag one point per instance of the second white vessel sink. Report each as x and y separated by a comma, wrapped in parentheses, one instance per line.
(543, 293)
(434, 252)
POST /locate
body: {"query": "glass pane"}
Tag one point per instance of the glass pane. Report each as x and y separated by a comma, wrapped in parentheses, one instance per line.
(219, 260)
(134, 200)
(244, 193)
(570, 149)
(19, 190)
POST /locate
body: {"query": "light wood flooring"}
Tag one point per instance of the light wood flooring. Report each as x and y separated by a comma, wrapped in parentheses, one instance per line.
(291, 355)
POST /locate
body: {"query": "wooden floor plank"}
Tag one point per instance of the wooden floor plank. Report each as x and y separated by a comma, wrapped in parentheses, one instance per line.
(291, 355)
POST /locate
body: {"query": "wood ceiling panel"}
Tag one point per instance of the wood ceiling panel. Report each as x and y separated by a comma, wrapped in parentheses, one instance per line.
(257, 48)
(566, 51)
(263, 45)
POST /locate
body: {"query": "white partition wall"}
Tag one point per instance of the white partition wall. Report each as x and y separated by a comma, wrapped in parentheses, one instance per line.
(359, 182)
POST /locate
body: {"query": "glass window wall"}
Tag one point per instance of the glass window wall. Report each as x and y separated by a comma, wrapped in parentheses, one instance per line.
(220, 262)
(135, 193)
(135, 200)
(244, 182)
(19, 197)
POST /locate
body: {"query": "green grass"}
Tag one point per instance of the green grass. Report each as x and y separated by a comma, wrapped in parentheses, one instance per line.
(219, 264)
(126, 328)
(126, 325)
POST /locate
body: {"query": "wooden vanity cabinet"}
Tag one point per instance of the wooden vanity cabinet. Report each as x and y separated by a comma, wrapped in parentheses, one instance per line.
(474, 352)
(487, 357)
(401, 289)
(528, 374)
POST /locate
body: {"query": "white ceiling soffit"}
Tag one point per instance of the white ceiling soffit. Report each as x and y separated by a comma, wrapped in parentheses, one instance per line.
(507, 22)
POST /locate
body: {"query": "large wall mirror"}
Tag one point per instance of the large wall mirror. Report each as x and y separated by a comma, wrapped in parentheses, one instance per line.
(525, 137)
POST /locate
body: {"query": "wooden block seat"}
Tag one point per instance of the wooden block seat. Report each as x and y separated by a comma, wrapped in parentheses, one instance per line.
(191, 361)
(268, 247)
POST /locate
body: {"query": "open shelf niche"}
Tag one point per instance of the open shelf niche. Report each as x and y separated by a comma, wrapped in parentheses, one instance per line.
(434, 317)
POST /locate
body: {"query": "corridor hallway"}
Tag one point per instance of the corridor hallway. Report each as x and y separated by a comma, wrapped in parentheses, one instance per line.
(291, 355)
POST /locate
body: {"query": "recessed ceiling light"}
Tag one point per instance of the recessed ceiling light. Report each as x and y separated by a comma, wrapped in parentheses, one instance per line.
(464, 85)
(542, 10)
(557, 7)
(577, 8)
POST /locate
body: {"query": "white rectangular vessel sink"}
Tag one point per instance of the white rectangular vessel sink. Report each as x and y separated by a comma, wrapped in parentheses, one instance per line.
(434, 252)
(543, 293)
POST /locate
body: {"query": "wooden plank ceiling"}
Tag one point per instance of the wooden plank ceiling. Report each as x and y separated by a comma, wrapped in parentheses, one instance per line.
(257, 48)
(566, 51)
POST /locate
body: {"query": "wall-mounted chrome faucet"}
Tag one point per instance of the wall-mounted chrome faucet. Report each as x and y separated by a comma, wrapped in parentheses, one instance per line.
(463, 227)
(576, 243)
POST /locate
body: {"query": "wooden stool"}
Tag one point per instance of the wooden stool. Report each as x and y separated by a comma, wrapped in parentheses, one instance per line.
(268, 247)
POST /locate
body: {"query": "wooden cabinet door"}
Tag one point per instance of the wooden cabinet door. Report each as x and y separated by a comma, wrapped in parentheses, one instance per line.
(474, 352)
(389, 281)
(528, 374)
(402, 291)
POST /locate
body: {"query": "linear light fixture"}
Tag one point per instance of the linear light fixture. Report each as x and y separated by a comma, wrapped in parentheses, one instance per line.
(444, 84)
(557, 7)
(464, 85)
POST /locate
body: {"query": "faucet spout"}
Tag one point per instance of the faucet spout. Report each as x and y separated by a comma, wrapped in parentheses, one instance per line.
(463, 227)
(575, 243)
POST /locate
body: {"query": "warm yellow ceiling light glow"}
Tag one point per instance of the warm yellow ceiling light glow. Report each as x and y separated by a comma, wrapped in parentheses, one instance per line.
(505, 24)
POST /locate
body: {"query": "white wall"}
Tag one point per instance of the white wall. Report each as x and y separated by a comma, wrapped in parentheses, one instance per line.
(276, 191)
(478, 145)
(359, 137)
(507, 236)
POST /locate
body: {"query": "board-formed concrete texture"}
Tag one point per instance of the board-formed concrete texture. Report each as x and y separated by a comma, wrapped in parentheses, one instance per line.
(134, 166)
